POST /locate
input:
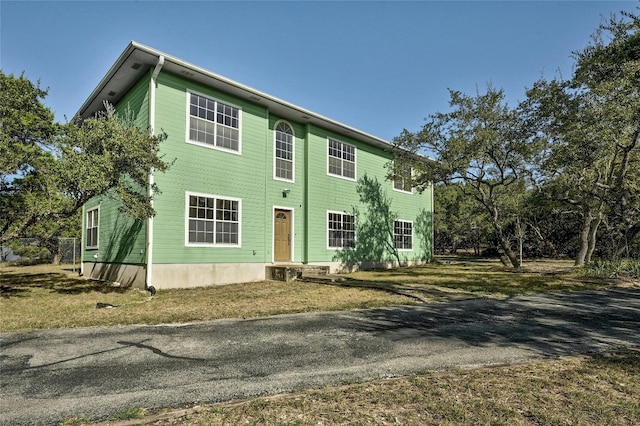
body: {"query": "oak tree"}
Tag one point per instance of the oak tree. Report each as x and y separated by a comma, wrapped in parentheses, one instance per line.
(482, 143)
(49, 170)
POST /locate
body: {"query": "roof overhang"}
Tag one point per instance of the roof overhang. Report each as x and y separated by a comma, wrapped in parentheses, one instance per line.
(136, 60)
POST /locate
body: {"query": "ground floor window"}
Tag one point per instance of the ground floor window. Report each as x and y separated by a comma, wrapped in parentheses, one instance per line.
(341, 230)
(402, 235)
(92, 228)
(213, 220)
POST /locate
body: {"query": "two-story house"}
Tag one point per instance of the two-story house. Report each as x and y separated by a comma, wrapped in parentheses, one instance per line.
(255, 181)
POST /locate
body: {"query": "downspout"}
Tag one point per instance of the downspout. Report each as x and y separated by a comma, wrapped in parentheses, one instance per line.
(82, 238)
(433, 223)
(152, 125)
(305, 197)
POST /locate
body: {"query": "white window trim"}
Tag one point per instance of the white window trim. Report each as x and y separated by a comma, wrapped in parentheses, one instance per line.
(97, 246)
(187, 243)
(273, 231)
(394, 235)
(355, 229)
(189, 92)
(393, 184)
(293, 153)
(355, 160)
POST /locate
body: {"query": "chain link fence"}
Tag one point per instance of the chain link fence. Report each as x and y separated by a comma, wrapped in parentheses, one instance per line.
(35, 250)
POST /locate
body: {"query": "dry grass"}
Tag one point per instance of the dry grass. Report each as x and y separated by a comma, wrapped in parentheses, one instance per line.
(43, 296)
(36, 297)
(454, 278)
(597, 390)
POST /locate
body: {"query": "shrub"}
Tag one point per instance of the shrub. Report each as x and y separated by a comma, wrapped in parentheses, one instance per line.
(629, 268)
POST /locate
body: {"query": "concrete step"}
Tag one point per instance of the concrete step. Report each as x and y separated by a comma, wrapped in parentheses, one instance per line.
(293, 272)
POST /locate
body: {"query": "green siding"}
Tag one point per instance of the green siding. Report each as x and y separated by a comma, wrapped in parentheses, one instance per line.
(135, 104)
(333, 193)
(121, 239)
(249, 177)
(209, 171)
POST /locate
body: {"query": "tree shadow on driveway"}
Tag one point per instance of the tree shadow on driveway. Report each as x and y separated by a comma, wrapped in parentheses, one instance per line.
(550, 325)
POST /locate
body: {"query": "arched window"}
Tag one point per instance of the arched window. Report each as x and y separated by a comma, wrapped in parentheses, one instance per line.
(283, 161)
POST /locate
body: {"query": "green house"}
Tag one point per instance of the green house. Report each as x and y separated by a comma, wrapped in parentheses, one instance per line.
(255, 182)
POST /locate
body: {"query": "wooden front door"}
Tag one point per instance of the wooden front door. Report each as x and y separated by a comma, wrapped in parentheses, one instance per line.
(282, 235)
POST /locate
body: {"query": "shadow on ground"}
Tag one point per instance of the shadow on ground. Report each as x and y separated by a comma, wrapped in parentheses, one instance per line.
(22, 284)
(460, 280)
(547, 324)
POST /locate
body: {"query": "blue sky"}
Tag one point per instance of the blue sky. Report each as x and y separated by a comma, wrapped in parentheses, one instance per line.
(377, 66)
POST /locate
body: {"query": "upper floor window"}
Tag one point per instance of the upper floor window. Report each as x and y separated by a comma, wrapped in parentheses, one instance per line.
(283, 157)
(342, 159)
(402, 235)
(214, 123)
(213, 220)
(341, 230)
(402, 179)
(92, 228)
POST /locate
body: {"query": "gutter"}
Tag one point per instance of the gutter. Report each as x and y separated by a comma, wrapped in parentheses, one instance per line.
(152, 125)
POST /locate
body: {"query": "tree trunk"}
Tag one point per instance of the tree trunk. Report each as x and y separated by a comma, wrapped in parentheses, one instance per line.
(592, 239)
(552, 251)
(505, 245)
(584, 239)
(57, 258)
(629, 236)
(509, 253)
(504, 241)
(53, 246)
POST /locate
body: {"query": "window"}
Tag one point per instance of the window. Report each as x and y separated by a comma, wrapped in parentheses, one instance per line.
(402, 180)
(213, 123)
(341, 230)
(402, 235)
(342, 159)
(213, 221)
(283, 146)
(92, 228)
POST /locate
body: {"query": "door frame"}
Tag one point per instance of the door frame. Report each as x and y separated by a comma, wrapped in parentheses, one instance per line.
(291, 231)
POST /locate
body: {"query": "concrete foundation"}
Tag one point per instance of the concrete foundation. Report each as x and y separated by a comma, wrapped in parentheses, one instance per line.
(341, 267)
(205, 274)
(208, 274)
(127, 275)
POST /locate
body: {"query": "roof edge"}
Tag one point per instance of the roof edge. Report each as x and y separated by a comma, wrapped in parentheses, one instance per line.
(134, 46)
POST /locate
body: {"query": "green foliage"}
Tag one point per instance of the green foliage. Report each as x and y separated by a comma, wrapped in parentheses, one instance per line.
(30, 252)
(562, 169)
(459, 222)
(608, 268)
(128, 414)
(48, 171)
(105, 153)
(483, 143)
(591, 123)
(25, 124)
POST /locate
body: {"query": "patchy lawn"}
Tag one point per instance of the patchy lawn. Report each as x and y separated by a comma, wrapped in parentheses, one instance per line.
(601, 389)
(455, 278)
(44, 296)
